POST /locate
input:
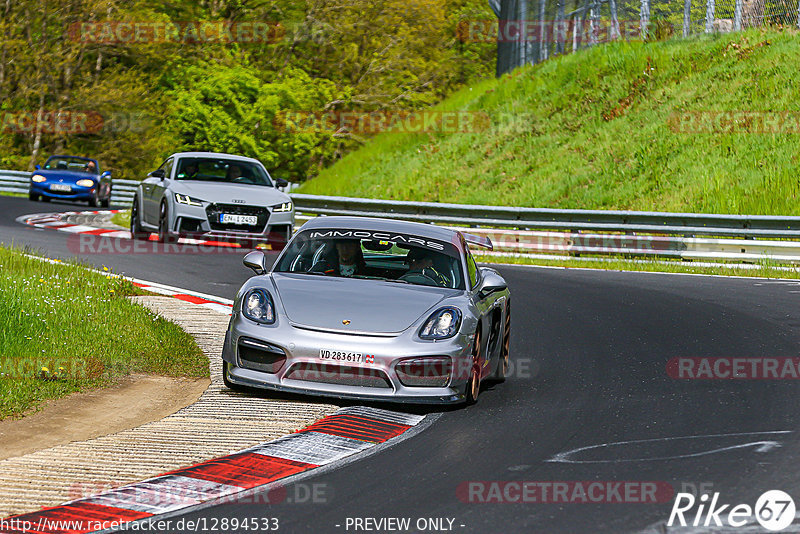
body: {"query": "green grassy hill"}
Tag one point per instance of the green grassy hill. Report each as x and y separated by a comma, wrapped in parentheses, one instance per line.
(598, 129)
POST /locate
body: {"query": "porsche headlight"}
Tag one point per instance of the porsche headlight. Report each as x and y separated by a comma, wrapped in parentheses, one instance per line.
(38, 178)
(85, 182)
(442, 324)
(281, 208)
(257, 306)
(186, 199)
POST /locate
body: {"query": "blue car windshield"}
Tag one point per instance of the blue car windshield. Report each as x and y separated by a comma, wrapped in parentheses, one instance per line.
(71, 163)
(387, 256)
(222, 170)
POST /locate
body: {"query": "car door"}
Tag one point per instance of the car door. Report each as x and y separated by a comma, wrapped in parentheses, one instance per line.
(485, 306)
(152, 190)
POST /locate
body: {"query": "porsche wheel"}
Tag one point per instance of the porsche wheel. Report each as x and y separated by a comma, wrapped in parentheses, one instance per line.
(474, 383)
(503, 364)
(95, 200)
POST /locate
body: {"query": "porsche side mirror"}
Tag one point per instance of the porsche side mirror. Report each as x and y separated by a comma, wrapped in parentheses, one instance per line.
(257, 261)
(280, 182)
(158, 173)
(492, 283)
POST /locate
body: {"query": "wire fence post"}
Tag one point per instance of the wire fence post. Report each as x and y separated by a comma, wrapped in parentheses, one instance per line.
(687, 17)
(560, 29)
(644, 17)
(575, 32)
(737, 16)
(798, 14)
(542, 41)
(709, 16)
(612, 6)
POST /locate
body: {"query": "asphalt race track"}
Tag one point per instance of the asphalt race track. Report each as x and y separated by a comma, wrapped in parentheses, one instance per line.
(589, 355)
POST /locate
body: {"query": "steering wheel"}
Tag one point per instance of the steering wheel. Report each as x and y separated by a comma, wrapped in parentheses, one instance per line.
(420, 277)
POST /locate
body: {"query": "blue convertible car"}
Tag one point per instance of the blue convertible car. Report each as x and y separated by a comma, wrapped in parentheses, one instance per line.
(71, 178)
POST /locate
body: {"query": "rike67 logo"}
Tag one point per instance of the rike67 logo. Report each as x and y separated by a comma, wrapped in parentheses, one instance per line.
(774, 511)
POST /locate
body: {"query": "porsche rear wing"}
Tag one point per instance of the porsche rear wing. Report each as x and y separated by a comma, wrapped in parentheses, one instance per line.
(480, 241)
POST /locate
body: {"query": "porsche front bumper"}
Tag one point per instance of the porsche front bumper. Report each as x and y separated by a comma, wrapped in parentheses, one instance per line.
(304, 372)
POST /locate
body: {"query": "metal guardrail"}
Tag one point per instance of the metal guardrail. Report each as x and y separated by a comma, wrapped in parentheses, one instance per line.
(689, 236)
(687, 224)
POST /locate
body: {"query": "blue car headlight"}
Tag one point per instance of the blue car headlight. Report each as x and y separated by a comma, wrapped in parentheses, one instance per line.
(257, 306)
(442, 324)
(85, 182)
(38, 178)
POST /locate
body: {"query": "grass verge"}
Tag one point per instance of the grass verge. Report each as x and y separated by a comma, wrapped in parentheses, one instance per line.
(65, 329)
(625, 125)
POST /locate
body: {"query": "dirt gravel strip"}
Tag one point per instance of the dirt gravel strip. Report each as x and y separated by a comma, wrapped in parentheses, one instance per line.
(220, 422)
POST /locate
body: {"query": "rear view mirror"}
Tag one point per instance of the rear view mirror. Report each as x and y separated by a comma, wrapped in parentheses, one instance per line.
(280, 182)
(158, 173)
(106, 173)
(38, 167)
(257, 261)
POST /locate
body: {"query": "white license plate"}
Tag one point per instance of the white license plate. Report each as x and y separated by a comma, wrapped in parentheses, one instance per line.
(60, 187)
(229, 218)
(340, 356)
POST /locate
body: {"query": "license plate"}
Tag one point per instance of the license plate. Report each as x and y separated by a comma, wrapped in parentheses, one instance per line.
(340, 356)
(60, 187)
(229, 218)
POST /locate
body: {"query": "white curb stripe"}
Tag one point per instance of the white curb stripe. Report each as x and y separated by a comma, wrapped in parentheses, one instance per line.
(382, 415)
(312, 447)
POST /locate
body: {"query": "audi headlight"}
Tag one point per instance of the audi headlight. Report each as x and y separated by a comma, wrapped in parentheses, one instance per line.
(442, 324)
(257, 306)
(38, 178)
(280, 208)
(85, 182)
(186, 199)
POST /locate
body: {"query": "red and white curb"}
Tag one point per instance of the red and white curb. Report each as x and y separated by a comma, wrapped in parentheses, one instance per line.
(345, 433)
(56, 221)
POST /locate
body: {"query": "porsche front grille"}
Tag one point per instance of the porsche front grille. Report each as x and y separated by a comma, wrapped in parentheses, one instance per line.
(339, 375)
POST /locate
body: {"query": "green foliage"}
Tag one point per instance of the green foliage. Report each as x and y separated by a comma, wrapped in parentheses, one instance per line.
(157, 97)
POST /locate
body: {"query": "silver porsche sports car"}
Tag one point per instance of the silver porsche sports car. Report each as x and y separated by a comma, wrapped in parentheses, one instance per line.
(371, 309)
(212, 195)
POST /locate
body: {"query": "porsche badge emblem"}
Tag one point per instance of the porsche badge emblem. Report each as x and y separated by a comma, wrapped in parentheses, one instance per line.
(345, 322)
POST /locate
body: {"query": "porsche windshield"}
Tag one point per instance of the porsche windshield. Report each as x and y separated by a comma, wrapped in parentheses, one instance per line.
(387, 256)
(222, 170)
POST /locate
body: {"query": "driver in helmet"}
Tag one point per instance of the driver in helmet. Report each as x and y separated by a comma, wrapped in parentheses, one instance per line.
(420, 261)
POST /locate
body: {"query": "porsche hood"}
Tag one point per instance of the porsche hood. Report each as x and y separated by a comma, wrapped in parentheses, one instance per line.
(354, 305)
